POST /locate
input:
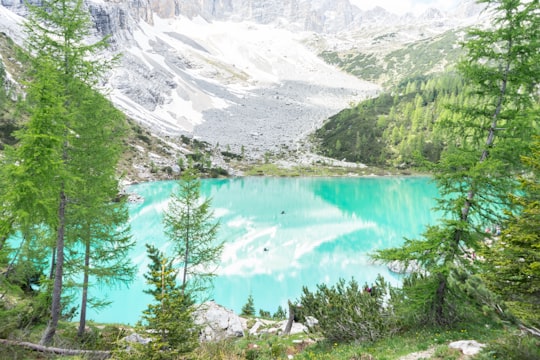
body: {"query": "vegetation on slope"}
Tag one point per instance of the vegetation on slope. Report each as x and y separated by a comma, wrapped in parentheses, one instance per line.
(397, 128)
(415, 59)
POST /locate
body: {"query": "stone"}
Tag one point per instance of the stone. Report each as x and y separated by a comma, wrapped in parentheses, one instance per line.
(137, 338)
(311, 322)
(467, 347)
(297, 328)
(217, 322)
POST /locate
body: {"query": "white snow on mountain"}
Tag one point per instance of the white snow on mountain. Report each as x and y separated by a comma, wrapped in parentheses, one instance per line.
(253, 85)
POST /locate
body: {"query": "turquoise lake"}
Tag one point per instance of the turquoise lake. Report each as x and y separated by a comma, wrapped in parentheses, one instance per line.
(283, 233)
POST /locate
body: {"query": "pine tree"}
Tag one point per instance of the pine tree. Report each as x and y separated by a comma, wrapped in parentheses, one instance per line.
(475, 174)
(170, 316)
(249, 307)
(190, 226)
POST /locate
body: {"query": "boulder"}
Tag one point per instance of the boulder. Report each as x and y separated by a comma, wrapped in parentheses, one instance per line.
(137, 339)
(311, 322)
(217, 322)
(467, 347)
(297, 328)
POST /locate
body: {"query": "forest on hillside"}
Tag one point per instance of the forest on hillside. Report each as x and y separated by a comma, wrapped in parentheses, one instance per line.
(401, 127)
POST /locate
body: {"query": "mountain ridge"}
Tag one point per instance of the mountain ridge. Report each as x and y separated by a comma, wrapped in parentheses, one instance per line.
(257, 84)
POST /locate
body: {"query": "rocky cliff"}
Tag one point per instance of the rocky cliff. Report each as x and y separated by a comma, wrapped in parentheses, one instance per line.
(241, 74)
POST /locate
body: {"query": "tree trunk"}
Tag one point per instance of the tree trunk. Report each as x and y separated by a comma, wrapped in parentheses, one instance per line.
(91, 354)
(56, 305)
(490, 138)
(186, 255)
(290, 321)
(82, 319)
(53, 264)
(439, 300)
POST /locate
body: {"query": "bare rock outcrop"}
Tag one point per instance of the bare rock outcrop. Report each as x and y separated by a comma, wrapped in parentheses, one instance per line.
(217, 322)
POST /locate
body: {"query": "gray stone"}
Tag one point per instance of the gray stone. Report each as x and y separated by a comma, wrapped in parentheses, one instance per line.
(136, 338)
(297, 328)
(311, 322)
(467, 347)
(217, 322)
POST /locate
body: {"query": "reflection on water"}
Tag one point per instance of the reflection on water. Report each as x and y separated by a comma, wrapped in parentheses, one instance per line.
(284, 233)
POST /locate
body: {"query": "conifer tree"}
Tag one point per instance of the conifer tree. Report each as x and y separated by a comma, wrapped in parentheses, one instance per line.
(249, 307)
(191, 228)
(170, 316)
(97, 222)
(43, 175)
(475, 174)
(513, 263)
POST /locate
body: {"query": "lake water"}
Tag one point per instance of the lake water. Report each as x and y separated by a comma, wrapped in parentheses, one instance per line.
(284, 233)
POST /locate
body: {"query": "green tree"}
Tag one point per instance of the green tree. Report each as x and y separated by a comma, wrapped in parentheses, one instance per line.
(97, 222)
(513, 262)
(280, 314)
(42, 178)
(249, 307)
(493, 128)
(170, 316)
(189, 224)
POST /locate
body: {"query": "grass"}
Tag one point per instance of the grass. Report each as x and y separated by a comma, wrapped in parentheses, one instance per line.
(390, 348)
(319, 169)
(500, 339)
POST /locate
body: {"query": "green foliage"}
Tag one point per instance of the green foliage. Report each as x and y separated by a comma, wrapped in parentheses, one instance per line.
(190, 226)
(486, 133)
(396, 128)
(169, 318)
(422, 57)
(280, 314)
(348, 312)
(513, 261)
(59, 181)
(249, 307)
(512, 346)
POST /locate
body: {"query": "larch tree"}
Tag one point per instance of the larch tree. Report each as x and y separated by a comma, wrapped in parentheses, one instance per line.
(190, 226)
(45, 173)
(513, 262)
(98, 217)
(485, 139)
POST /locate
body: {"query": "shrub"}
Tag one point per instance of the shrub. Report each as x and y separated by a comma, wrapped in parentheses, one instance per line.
(249, 307)
(347, 312)
(513, 347)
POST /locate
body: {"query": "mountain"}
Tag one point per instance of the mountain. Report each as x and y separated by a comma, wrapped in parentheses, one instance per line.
(246, 74)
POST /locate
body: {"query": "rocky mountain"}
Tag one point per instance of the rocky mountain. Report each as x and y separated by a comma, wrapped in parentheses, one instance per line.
(244, 75)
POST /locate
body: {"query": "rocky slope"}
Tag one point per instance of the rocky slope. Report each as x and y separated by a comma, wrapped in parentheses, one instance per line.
(244, 75)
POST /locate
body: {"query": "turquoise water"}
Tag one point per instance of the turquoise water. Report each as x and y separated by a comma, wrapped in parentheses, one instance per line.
(314, 230)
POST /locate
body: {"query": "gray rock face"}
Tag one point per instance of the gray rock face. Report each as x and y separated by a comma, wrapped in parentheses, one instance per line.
(137, 339)
(319, 16)
(218, 322)
(239, 73)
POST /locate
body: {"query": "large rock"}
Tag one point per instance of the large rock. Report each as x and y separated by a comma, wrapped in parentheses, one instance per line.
(467, 347)
(217, 322)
